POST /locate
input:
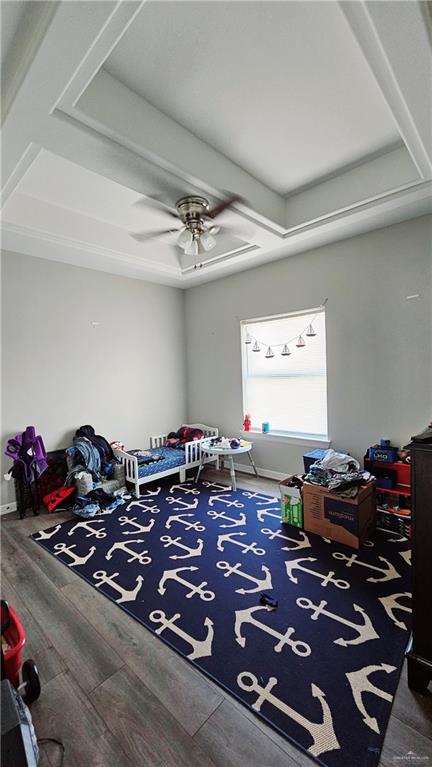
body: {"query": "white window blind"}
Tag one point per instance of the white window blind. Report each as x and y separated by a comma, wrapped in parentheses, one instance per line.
(289, 392)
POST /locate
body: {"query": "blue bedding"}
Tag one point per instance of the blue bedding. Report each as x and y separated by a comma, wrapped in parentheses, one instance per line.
(172, 457)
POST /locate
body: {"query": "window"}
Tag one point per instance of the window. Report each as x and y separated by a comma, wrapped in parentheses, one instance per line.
(288, 391)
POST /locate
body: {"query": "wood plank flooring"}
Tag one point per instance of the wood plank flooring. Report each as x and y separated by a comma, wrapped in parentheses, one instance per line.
(119, 697)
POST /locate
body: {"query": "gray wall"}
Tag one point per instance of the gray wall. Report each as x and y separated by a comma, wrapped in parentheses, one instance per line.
(126, 376)
(378, 343)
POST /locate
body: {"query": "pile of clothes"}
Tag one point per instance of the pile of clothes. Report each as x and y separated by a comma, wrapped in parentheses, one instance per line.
(340, 472)
(89, 461)
(181, 436)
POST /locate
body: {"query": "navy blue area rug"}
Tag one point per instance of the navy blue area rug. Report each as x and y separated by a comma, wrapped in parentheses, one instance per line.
(191, 563)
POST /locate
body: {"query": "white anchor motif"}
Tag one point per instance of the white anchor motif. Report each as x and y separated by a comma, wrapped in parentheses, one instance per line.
(168, 541)
(202, 648)
(323, 735)
(167, 575)
(365, 632)
(261, 513)
(391, 604)
(265, 500)
(184, 488)
(246, 547)
(325, 578)
(127, 595)
(181, 518)
(61, 548)
(302, 544)
(143, 506)
(399, 539)
(246, 616)
(149, 493)
(87, 524)
(45, 536)
(390, 573)
(261, 584)
(406, 556)
(138, 528)
(206, 483)
(360, 684)
(221, 515)
(183, 504)
(134, 555)
(226, 499)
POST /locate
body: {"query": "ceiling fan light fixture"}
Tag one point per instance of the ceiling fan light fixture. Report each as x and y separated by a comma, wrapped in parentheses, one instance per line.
(192, 249)
(207, 241)
(184, 239)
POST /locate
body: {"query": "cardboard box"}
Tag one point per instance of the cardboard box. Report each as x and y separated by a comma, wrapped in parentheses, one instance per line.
(291, 504)
(340, 518)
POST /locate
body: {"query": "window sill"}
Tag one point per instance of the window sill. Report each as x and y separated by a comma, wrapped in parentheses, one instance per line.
(293, 439)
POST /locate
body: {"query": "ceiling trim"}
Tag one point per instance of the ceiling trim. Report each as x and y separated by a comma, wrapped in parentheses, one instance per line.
(25, 48)
(110, 33)
(421, 190)
(86, 247)
(382, 52)
(241, 251)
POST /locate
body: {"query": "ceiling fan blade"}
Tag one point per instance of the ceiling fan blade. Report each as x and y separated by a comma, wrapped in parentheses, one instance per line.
(223, 205)
(232, 223)
(143, 236)
(152, 202)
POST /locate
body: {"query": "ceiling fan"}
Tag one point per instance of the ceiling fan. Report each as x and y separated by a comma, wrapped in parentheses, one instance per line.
(197, 230)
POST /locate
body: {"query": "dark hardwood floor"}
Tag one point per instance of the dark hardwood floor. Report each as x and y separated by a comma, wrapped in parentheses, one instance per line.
(119, 697)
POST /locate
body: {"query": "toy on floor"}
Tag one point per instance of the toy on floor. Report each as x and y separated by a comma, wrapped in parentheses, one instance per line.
(23, 676)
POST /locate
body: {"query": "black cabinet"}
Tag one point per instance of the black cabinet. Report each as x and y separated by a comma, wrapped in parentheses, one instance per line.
(420, 652)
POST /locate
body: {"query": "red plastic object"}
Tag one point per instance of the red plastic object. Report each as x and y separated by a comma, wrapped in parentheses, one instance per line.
(14, 635)
(52, 500)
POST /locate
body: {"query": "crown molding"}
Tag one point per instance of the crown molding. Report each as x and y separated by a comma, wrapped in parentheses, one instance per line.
(417, 190)
(150, 271)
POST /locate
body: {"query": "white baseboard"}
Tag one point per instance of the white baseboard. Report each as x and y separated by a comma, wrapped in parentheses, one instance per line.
(7, 508)
(267, 473)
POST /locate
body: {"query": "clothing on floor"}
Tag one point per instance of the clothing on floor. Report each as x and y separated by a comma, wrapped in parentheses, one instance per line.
(96, 500)
(100, 443)
(90, 456)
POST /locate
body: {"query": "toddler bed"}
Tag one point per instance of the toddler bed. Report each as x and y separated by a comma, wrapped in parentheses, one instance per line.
(175, 460)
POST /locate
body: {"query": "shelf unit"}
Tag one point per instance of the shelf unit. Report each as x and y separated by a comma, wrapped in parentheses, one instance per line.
(390, 501)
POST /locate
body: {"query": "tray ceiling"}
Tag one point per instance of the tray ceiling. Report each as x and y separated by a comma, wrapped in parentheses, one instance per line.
(316, 114)
(281, 88)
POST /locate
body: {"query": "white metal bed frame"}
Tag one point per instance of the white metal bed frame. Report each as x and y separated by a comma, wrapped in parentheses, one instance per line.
(192, 458)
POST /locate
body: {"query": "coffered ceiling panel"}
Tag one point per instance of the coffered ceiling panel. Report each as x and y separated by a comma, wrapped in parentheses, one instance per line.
(281, 88)
(316, 114)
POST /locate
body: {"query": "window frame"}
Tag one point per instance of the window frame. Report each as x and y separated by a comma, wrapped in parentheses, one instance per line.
(275, 434)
